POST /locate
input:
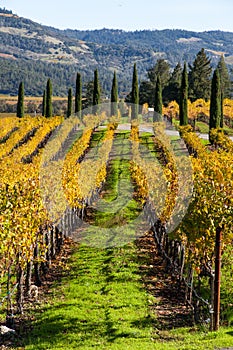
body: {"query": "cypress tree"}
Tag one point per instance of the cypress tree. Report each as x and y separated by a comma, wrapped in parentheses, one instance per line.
(20, 104)
(49, 109)
(184, 97)
(215, 103)
(96, 93)
(44, 104)
(135, 94)
(69, 103)
(225, 85)
(158, 102)
(114, 96)
(78, 95)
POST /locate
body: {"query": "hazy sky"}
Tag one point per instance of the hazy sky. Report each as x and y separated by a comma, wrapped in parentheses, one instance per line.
(198, 15)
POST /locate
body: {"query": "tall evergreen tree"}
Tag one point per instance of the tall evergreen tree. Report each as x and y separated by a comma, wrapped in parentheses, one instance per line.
(114, 96)
(20, 103)
(221, 105)
(49, 91)
(224, 78)
(200, 77)
(78, 95)
(147, 88)
(96, 93)
(44, 104)
(158, 104)
(161, 68)
(171, 92)
(184, 97)
(146, 93)
(69, 103)
(215, 103)
(135, 94)
(88, 95)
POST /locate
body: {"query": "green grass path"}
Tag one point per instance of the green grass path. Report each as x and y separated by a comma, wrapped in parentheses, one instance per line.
(103, 306)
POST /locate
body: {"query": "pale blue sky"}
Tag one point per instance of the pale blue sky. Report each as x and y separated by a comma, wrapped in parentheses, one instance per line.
(198, 15)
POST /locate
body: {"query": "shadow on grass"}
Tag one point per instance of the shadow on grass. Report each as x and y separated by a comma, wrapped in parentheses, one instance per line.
(145, 322)
(50, 332)
(59, 330)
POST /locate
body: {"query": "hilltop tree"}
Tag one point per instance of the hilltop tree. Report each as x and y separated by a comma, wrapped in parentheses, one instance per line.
(158, 101)
(78, 95)
(224, 78)
(69, 103)
(135, 94)
(200, 77)
(49, 108)
(44, 104)
(215, 103)
(96, 93)
(184, 97)
(20, 103)
(114, 96)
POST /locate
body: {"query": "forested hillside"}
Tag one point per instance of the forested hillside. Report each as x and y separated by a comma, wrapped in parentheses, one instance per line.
(33, 53)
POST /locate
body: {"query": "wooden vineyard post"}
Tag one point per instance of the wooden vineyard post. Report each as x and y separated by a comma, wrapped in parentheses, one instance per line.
(217, 278)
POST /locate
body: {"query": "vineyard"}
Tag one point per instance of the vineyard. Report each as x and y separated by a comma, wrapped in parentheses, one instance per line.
(199, 111)
(53, 176)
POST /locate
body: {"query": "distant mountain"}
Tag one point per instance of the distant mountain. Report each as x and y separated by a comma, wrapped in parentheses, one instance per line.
(33, 52)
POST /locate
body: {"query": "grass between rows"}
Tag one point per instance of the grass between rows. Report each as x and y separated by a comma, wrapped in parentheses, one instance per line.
(101, 304)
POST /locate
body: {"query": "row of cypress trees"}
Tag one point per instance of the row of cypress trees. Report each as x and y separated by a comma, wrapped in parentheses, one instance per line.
(216, 110)
(78, 98)
(96, 96)
(46, 104)
(216, 99)
(47, 97)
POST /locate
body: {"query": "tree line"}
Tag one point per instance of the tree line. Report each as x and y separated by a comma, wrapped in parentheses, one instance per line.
(47, 106)
(183, 83)
(199, 79)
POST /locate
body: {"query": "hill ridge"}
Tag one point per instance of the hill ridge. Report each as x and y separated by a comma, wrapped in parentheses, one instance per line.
(28, 48)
